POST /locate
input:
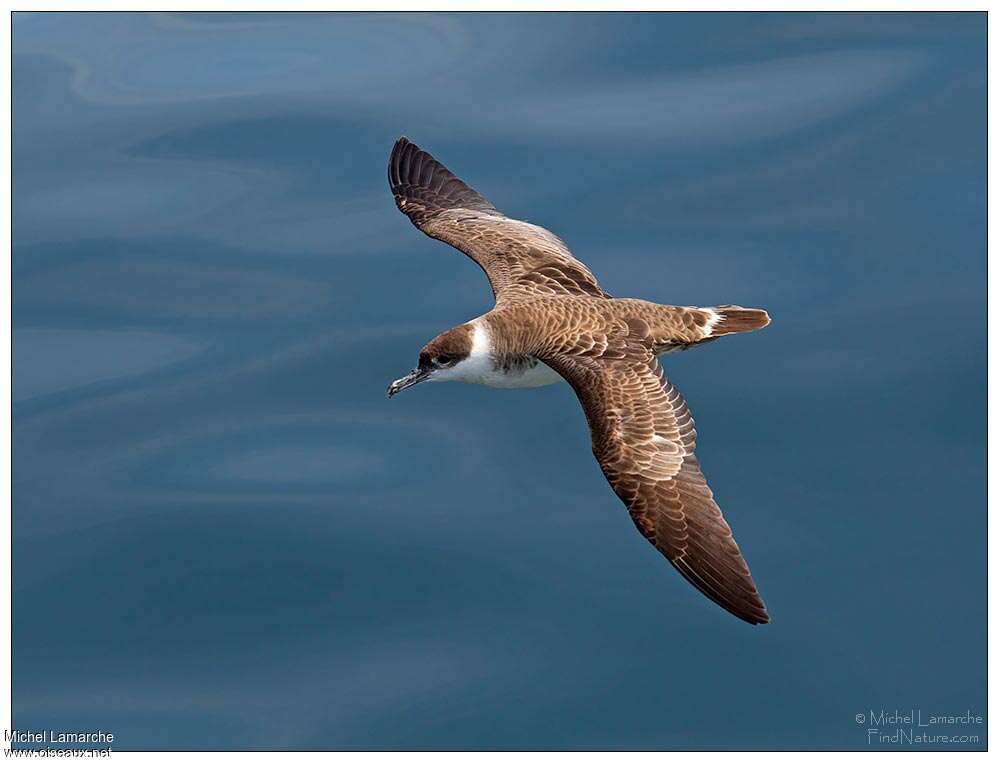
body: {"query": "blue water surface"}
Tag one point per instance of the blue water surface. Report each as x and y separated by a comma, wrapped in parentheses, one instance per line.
(225, 536)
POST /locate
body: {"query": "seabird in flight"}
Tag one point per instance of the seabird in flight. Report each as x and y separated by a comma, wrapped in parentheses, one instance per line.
(552, 321)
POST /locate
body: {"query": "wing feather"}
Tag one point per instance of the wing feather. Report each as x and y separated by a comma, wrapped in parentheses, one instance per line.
(520, 260)
(643, 437)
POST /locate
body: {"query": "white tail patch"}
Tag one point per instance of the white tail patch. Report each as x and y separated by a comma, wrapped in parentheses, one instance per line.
(714, 318)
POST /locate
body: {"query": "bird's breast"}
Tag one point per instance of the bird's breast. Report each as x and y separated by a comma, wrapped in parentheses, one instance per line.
(512, 372)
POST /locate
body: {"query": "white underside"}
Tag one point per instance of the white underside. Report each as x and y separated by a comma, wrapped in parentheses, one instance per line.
(539, 376)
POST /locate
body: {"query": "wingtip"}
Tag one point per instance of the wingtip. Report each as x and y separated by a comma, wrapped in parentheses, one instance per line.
(759, 614)
(753, 617)
(415, 175)
(755, 614)
(396, 158)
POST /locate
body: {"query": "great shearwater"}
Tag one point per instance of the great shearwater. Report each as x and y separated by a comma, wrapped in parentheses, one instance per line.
(552, 321)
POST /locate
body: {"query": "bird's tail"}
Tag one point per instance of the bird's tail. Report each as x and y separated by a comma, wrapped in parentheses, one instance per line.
(732, 319)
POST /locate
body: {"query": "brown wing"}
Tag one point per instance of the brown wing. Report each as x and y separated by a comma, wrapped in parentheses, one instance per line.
(521, 260)
(643, 437)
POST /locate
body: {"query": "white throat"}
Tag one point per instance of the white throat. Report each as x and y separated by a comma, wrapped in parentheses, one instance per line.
(480, 367)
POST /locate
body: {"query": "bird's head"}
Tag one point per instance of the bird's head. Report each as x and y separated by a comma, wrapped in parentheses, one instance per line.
(443, 358)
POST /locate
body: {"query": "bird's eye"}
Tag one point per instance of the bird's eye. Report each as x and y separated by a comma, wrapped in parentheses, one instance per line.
(443, 360)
